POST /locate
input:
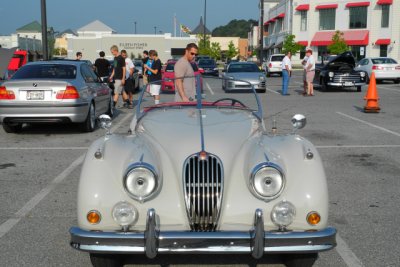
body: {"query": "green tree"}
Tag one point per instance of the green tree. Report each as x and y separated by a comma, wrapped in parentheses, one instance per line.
(232, 51)
(289, 45)
(203, 44)
(338, 45)
(236, 28)
(215, 51)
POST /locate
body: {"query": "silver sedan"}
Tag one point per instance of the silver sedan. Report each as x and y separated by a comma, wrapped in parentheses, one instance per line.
(54, 91)
(242, 76)
(385, 68)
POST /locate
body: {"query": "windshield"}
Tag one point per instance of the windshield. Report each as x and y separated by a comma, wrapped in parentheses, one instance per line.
(206, 62)
(277, 58)
(383, 61)
(243, 67)
(45, 71)
(209, 94)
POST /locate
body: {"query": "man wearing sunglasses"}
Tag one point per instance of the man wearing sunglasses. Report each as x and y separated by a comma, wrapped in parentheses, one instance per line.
(185, 82)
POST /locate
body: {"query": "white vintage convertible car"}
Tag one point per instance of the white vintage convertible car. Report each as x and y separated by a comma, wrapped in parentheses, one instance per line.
(202, 177)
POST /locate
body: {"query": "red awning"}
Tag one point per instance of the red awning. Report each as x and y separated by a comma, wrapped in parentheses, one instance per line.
(383, 42)
(326, 6)
(303, 7)
(357, 4)
(358, 37)
(282, 15)
(385, 2)
(303, 43)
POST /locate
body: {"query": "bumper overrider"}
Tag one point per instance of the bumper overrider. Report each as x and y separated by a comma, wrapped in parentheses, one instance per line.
(152, 241)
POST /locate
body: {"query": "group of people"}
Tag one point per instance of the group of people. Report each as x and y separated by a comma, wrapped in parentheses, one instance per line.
(123, 69)
(308, 63)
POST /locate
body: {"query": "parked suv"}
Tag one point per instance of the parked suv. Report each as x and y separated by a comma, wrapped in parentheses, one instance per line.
(273, 64)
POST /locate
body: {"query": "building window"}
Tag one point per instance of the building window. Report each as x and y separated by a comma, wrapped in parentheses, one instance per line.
(383, 50)
(385, 16)
(358, 17)
(327, 19)
(303, 20)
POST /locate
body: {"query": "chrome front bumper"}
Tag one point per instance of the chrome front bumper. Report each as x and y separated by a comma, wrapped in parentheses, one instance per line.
(340, 84)
(151, 242)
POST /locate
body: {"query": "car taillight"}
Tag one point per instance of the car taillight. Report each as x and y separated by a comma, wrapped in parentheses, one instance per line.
(270, 65)
(70, 92)
(6, 94)
(375, 67)
(397, 67)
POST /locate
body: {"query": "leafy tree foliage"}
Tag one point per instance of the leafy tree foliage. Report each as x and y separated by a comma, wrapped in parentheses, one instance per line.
(215, 51)
(339, 45)
(232, 51)
(235, 28)
(59, 51)
(203, 44)
(289, 45)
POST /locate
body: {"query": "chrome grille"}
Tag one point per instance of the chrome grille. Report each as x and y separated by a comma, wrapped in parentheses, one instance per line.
(203, 187)
(340, 78)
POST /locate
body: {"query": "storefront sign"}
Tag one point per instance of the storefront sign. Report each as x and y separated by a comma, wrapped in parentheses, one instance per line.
(134, 46)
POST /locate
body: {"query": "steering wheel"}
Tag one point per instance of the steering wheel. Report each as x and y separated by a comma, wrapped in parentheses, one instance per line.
(234, 101)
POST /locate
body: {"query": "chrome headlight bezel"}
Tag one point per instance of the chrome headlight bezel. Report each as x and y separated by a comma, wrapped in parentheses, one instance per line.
(154, 183)
(331, 74)
(254, 188)
(362, 74)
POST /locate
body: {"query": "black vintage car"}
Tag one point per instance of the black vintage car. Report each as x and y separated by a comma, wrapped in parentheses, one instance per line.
(339, 72)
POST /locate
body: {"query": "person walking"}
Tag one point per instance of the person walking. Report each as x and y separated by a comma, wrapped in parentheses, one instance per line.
(286, 72)
(78, 55)
(144, 60)
(185, 82)
(155, 75)
(118, 73)
(310, 69)
(129, 86)
(102, 66)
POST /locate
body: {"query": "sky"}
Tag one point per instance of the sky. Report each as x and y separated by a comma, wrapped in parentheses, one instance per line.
(121, 15)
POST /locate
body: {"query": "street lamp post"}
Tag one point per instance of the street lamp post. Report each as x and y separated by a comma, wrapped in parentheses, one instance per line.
(204, 26)
(155, 30)
(44, 30)
(135, 27)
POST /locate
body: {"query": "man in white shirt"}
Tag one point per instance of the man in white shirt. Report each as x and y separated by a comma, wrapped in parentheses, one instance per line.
(310, 72)
(286, 72)
(129, 86)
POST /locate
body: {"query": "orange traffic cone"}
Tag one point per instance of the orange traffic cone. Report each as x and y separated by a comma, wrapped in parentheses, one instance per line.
(372, 97)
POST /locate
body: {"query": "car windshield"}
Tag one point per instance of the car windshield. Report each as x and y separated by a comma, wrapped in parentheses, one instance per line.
(138, 63)
(206, 62)
(384, 61)
(277, 58)
(243, 68)
(209, 94)
(170, 67)
(45, 71)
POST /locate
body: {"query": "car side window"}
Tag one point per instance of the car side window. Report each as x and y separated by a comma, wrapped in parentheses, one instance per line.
(87, 76)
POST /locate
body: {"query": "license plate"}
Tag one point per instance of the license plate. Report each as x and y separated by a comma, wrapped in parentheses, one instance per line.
(348, 84)
(35, 95)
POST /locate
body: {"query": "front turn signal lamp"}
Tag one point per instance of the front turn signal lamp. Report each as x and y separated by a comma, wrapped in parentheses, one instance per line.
(93, 217)
(313, 218)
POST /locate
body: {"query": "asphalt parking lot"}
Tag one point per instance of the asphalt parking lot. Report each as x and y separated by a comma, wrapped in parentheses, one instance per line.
(40, 167)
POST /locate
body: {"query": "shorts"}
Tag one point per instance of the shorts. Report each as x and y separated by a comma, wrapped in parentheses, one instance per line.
(118, 87)
(310, 76)
(304, 75)
(155, 89)
(129, 86)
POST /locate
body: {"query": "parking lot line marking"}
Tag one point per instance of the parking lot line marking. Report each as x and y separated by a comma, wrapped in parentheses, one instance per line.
(347, 255)
(369, 124)
(10, 223)
(388, 89)
(359, 146)
(43, 148)
(209, 88)
(270, 90)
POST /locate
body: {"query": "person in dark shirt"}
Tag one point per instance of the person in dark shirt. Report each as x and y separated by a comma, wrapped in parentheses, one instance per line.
(155, 75)
(118, 74)
(144, 60)
(102, 66)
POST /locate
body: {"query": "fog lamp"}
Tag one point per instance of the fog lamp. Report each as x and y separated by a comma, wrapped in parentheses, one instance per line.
(313, 218)
(283, 214)
(125, 214)
(362, 74)
(93, 217)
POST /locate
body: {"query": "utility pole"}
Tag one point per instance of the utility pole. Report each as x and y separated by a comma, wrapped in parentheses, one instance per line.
(155, 30)
(44, 31)
(204, 26)
(135, 27)
(261, 30)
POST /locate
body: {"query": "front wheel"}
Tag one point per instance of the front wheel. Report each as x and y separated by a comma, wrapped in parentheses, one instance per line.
(358, 88)
(105, 260)
(300, 260)
(12, 127)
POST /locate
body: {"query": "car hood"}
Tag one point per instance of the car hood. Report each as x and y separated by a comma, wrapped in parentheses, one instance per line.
(247, 76)
(346, 57)
(221, 128)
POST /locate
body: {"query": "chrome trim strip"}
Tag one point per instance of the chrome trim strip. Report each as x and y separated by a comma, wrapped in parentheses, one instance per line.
(153, 242)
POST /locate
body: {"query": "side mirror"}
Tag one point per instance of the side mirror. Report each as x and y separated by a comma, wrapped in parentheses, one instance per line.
(299, 121)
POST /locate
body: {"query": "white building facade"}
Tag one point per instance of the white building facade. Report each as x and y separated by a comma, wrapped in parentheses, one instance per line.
(371, 28)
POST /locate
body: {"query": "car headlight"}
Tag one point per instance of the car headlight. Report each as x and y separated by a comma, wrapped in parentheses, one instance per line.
(331, 74)
(261, 78)
(267, 181)
(283, 214)
(362, 74)
(141, 181)
(125, 214)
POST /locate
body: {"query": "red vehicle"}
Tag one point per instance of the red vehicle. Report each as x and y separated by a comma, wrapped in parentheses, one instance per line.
(19, 59)
(168, 76)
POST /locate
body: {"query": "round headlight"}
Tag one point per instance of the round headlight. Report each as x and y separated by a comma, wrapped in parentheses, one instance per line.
(362, 74)
(267, 181)
(125, 214)
(331, 74)
(262, 78)
(140, 182)
(283, 213)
